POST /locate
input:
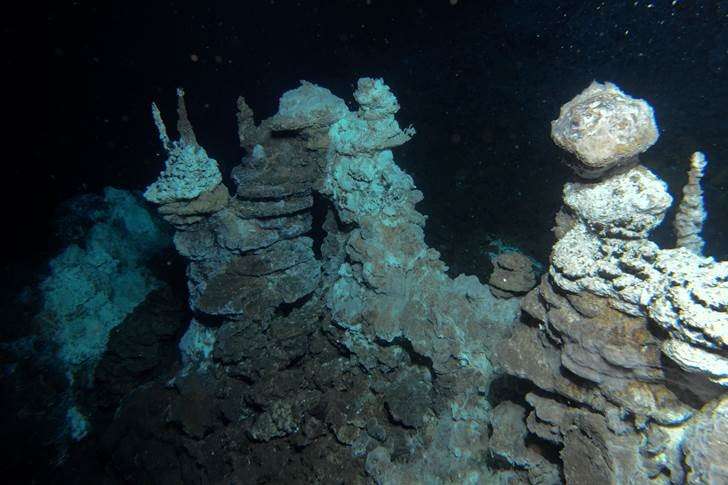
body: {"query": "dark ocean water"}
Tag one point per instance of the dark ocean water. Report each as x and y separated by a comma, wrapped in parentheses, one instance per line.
(479, 80)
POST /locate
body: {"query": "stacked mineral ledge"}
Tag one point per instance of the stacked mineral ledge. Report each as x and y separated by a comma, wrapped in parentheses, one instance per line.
(249, 253)
(626, 343)
(258, 370)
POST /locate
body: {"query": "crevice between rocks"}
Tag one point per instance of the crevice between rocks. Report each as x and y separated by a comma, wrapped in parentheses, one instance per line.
(415, 357)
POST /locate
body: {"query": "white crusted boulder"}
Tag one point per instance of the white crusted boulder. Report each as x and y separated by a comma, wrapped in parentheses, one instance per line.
(308, 106)
(604, 127)
(627, 205)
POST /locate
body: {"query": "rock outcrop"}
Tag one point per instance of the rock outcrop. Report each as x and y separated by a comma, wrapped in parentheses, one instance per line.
(513, 274)
(624, 341)
(329, 337)
(93, 288)
(336, 335)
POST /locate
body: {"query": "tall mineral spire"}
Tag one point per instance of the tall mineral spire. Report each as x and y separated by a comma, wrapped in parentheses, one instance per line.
(691, 212)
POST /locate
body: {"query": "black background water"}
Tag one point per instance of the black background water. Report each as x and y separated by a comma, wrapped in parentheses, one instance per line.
(479, 80)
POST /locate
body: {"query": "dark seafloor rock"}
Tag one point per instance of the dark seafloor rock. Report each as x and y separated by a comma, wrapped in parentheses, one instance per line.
(513, 274)
(141, 349)
(508, 445)
(323, 349)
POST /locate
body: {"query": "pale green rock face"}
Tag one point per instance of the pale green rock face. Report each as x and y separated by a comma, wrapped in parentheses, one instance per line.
(356, 135)
(197, 344)
(78, 426)
(188, 173)
(362, 177)
(375, 99)
(91, 289)
(370, 185)
(397, 287)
